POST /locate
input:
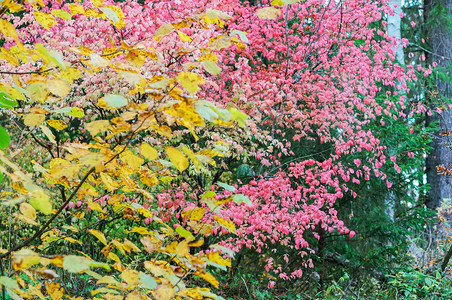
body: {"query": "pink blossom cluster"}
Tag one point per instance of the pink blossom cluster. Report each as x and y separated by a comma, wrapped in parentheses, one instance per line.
(316, 70)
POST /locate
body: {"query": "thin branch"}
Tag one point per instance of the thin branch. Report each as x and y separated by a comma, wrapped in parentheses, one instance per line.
(28, 72)
(47, 224)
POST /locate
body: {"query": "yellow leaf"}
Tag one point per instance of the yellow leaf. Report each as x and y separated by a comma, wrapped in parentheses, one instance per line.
(97, 3)
(225, 223)
(210, 153)
(148, 244)
(182, 250)
(62, 168)
(148, 152)
(117, 10)
(18, 186)
(131, 160)
(54, 290)
(209, 56)
(13, 6)
(213, 13)
(282, 2)
(97, 62)
(61, 14)
(98, 126)
(34, 119)
(40, 201)
(23, 259)
(177, 158)
(99, 235)
(58, 87)
(48, 133)
(70, 74)
(91, 12)
(191, 293)
(216, 258)
(194, 214)
(119, 246)
(108, 280)
(140, 230)
(190, 81)
(46, 20)
(71, 240)
(111, 52)
(208, 277)
(8, 29)
(114, 257)
(36, 290)
(76, 9)
(164, 292)
(136, 57)
(25, 219)
(184, 37)
(28, 210)
(37, 91)
(269, 13)
(219, 43)
(149, 180)
(192, 157)
(129, 246)
(130, 276)
(131, 78)
(163, 30)
(57, 124)
(108, 182)
(94, 205)
(76, 112)
(197, 243)
(156, 268)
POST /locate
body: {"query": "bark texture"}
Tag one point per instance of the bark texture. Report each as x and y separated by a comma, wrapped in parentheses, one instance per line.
(440, 38)
(394, 28)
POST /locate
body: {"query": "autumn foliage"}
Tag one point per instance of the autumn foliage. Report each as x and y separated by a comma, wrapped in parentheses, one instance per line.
(133, 114)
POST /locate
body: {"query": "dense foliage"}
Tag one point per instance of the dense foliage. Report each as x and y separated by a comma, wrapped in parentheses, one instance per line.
(151, 148)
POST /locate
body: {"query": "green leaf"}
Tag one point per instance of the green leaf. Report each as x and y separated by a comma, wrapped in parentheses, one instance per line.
(183, 233)
(241, 34)
(76, 264)
(40, 201)
(6, 101)
(147, 281)
(8, 282)
(4, 138)
(239, 198)
(239, 116)
(110, 14)
(13, 295)
(223, 249)
(208, 194)
(206, 112)
(226, 186)
(211, 67)
(48, 56)
(116, 101)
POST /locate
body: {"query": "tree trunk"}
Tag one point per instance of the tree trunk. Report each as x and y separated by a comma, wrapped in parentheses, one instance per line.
(394, 28)
(439, 39)
(394, 31)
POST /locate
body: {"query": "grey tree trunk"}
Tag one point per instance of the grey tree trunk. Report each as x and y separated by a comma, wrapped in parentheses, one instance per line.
(395, 31)
(439, 39)
(394, 28)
